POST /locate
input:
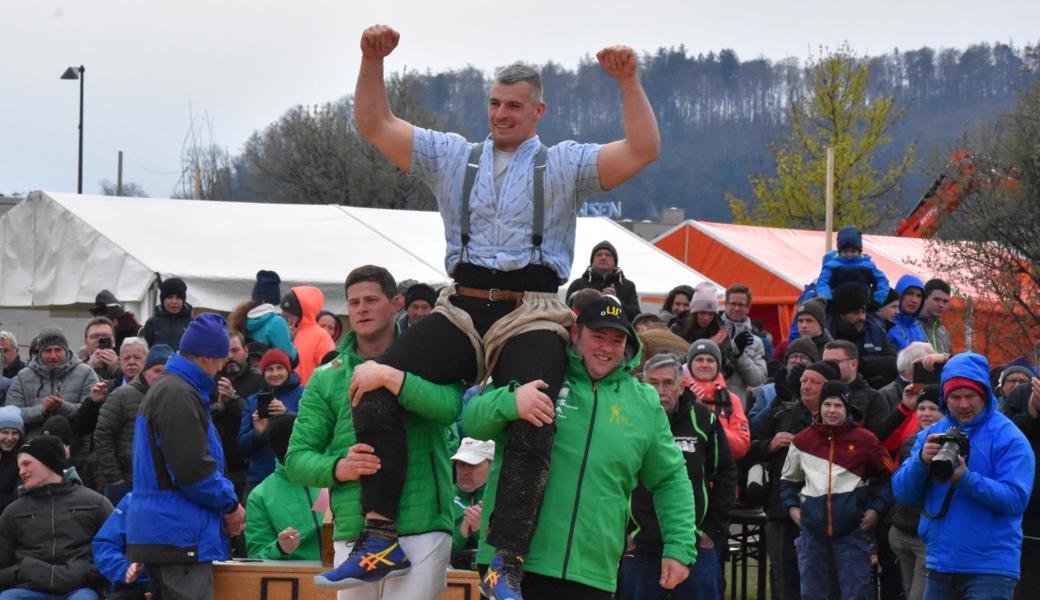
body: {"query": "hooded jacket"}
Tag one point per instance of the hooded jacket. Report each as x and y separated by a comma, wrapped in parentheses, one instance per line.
(905, 327)
(110, 549)
(255, 446)
(981, 532)
(276, 504)
(861, 270)
(625, 288)
(312, 342)
(834, 474)
(265, 325)
(166, 328)
(324, 431)
(114, 434)
(611, 434)
(45, 538)
(73, 379)
(180, 492)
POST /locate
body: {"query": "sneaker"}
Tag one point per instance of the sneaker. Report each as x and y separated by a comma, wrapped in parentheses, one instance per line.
(371, 559)
(502, 581)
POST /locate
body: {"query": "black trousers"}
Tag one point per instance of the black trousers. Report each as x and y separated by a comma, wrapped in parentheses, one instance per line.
(437, 351)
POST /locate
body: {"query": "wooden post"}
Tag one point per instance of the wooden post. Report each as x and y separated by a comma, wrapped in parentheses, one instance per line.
(198, 184)
(830, 198)
(119, 175)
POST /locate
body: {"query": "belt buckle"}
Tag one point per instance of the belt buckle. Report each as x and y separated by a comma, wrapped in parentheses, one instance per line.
(491, 294)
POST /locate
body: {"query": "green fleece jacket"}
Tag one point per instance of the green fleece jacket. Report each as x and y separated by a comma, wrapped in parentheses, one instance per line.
(459, 505)
(610, 434)
(324, 431)
(276, 504)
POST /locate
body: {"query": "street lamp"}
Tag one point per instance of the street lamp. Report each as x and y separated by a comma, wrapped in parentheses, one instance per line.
(74, 73)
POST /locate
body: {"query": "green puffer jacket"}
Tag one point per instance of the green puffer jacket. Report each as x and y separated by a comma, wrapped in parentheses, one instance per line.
(324, 431)
(276, 504)
(610, 434)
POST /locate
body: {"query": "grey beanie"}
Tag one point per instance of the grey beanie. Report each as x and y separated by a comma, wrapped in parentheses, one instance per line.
(704, 346)
(51, 336)
(11, 418)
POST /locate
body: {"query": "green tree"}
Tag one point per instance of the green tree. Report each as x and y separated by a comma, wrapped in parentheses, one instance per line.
(832, 108)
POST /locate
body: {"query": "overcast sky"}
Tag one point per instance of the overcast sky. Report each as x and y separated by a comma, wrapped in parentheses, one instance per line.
(244, 63)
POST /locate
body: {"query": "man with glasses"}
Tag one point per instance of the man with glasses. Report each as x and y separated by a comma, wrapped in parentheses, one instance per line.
(865, 400)
(12, 359)
(99, 343)
(750, 363)
(799, 354)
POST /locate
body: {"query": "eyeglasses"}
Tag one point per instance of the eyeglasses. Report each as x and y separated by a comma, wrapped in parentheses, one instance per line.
(98, 336)
(737, 304)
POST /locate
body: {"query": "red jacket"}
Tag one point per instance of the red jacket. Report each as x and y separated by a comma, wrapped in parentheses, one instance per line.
(729, 410)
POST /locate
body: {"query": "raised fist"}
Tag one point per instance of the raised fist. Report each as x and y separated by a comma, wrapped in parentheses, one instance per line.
(617, 61)
(378, 41)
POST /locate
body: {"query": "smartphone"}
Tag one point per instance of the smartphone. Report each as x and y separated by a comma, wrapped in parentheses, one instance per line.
(923, 376)
(104, 343)
(263, 404)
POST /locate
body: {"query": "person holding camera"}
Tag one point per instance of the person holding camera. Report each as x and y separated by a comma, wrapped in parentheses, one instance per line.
(280, 394)
(971, 473)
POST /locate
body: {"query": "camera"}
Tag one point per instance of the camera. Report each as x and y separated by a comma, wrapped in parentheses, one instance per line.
(105, 343)
(952, 444)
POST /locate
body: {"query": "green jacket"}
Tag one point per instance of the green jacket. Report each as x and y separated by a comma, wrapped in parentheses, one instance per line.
(324, 431)
(458, 507)
(278, 503)
(610, 434)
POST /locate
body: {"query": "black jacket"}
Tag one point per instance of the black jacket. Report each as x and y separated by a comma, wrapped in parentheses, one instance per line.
(45, 539)
(791, 417)
(710, 467)
(12, 369)
(906, 518)
(228, 420)
(1031, 519)
(873, 410)
(114, 434)
(626, 290)
(164, 328)
(9, 479)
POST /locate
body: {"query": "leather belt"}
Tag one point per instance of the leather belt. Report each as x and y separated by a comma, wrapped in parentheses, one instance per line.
(494, 294)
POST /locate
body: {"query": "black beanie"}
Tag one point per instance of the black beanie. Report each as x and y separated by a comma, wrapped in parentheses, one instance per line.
(47, 449)
(849, 297)
(837, 389)
(266, 287)
(106, 305)
(291, 304)
(279, 429)
(59, 427)
(173, 286)
(828, 368)
(420, 291)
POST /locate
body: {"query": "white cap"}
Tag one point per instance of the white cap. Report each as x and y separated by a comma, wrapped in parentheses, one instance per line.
(474, 451)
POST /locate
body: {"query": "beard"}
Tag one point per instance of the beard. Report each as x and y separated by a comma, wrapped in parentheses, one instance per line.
(233, 368)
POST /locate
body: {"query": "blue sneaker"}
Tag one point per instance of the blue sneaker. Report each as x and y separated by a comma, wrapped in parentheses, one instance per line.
(371, 559)
(502, 580)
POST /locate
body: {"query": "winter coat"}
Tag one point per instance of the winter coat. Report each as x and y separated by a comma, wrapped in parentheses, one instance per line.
(45, 539)
(710, 467)
(611, 434)
(868, 405)
(227, 418)
(266, 326)
(877, 354)
(749, 365)
(324, 430)
(276, 504)
(1031, 519)
(834, 474)
(73, 379)
(905, 327)
(255, 446)
(625, 288)
(936, 334)
(461, 502)
(312, 342)
(906, 518)
(838, 270)
(730, 410)
(180, 492)
(790, 417)
(9, 480)
(990, 497)
(110, 549)
(12, 369)
(114, 434)
(166, 328)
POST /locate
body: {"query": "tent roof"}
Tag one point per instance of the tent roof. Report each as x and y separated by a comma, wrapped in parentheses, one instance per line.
(62, 249)
(780, 260)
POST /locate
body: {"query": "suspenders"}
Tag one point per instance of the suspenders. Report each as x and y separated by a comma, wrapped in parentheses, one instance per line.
(538, 225)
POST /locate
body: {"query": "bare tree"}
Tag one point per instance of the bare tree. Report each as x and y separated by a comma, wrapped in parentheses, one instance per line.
(129, 189)
(206, 169)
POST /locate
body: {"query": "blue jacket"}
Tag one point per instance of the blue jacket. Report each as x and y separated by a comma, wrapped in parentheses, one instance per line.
(256, 447)
(267, 327)
(180, 492)
(906, 330)
(110, 548)
(838, 270)
(982, 531)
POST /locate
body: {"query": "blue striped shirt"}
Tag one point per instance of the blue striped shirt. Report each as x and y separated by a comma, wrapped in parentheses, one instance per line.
(501, 223)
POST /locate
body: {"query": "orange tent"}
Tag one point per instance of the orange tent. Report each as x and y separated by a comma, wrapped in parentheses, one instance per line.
(777, 263)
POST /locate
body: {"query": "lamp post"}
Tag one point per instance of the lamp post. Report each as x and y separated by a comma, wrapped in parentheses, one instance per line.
(78, 73)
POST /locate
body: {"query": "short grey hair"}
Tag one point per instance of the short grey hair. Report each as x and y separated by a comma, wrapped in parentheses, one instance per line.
(907, 356)
(133, 341)
(521, 72)
(7, 335)
(665, 360)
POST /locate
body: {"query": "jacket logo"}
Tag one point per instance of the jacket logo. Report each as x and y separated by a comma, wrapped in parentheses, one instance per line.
(617, 417)
(562, 404)
(687, 445)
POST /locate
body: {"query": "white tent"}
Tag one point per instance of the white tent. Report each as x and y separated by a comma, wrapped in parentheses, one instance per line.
(61, 249)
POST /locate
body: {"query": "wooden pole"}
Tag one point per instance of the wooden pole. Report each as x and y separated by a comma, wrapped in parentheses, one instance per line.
(119, 175)
(198, 184)
(830, 197)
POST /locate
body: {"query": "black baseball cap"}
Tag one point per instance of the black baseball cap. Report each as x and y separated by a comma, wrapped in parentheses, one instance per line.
(606, 312)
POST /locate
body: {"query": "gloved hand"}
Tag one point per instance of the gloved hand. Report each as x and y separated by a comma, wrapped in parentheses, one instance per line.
(743, 340)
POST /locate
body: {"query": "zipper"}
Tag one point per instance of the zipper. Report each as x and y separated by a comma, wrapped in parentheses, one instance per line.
(581, 476)
(436, 484)
(830, 464)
